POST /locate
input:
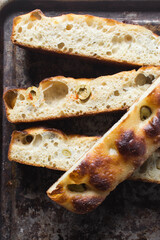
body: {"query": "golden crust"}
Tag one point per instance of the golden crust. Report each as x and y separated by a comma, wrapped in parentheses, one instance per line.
(70, 17)
(113, 158)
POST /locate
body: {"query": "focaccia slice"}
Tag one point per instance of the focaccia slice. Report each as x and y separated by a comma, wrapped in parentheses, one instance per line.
(53, 149)
(48, 148)
(61, 97)
(87, 36)
(124, 148)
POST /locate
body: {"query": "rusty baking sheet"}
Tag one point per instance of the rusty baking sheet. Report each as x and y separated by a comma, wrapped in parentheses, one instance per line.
(132, 211)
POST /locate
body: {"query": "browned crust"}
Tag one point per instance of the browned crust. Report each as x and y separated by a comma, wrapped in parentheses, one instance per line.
(109, 21)
(102, 171)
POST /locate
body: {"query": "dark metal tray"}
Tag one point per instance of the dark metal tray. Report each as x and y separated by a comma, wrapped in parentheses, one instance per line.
(132, 211)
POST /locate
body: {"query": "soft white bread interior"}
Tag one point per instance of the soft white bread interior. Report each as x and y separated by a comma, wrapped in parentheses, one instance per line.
(124, 148)
(150, 170)
(87, 36)
(48, 148)
(60, 97)
(53, 149)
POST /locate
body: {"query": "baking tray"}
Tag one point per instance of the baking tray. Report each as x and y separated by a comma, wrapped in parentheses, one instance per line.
(132, 211)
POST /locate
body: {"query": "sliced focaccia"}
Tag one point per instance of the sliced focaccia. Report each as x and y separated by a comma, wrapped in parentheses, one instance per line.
(53, 149)
(60, 97)
(48, 148)
(124, 148)
(87, 36)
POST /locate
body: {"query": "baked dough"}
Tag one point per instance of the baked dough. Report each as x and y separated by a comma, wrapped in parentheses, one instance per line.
(124, 148)
(87, 36)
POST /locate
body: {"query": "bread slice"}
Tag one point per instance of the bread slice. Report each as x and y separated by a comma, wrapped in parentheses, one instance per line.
(53, 149)
(60, 97)
(150, 170)
(87, 36)
(48, 148)
(125, 147)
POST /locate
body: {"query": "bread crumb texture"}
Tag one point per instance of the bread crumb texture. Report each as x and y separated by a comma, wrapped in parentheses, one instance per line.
(48, 148)
(59, 97)
(88, 36)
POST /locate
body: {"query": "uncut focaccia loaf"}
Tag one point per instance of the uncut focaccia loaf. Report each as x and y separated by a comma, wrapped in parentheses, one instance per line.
(48, 148)
(125, 147)
(53, 149)
(87, 36)
(60, 97)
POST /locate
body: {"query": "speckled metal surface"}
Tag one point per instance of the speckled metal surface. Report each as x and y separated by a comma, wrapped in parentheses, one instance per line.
(132, 211)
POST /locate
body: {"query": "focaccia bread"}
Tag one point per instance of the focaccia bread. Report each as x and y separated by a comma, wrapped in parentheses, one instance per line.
(53, 149)
(60, 97)
(87, 36)
(48, 148)
(124, 148)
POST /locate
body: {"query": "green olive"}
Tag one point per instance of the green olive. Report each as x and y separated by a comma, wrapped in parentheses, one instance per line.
(145, 112)
(83, 92)
(66, 152)
(77, 187)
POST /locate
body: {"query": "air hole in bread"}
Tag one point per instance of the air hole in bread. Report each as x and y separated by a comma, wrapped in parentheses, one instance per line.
(108, 106)
(30, 158)
(109, 53)
(61, 45)
(30, 25)
(46, 145)
(49, 158)
(116, 93)
(55, 91)
(115, 40)
(21, 97)
(158, 163)
(77, 187)
(141, 79)
(35, 16)
(27, 139)
(20, 29)
(33, 93)
(23, 115)
(69, 26)
(128, 38)
(56, 144)
(89, 21)
(143, 168)
(70, 49)
(104, 83)
(101, 43)
(10, 98)
(37, 140)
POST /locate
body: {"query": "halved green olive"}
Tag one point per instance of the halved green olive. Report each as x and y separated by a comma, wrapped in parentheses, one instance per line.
(145, 112)
(66, 152)
(83, 92)
(77, 187)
